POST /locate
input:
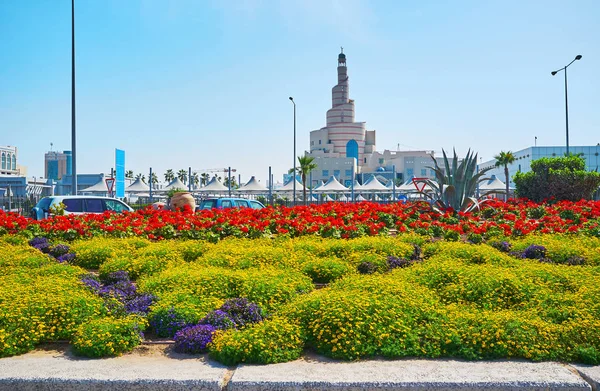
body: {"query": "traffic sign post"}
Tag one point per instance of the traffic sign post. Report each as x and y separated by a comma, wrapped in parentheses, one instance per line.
(110, 186)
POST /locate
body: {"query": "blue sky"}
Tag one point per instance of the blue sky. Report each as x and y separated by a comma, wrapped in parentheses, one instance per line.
(203, 83)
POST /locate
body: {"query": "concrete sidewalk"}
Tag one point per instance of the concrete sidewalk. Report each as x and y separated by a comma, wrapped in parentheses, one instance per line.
(155, 370)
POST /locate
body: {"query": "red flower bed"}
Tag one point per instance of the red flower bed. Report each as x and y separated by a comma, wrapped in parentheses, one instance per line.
(515, 218)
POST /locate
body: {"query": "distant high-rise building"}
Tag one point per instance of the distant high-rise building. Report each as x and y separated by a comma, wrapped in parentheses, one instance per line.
(8, 160)
(57, 164)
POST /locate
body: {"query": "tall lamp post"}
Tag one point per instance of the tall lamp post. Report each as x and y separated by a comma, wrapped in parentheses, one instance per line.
(73, 138)
(294, 173)
(578, 57)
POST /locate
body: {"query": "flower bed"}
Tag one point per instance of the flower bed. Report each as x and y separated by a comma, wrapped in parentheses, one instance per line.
(255, 300)
(337, 220)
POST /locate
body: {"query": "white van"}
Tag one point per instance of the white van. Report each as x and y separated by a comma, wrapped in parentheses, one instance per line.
(79, 205)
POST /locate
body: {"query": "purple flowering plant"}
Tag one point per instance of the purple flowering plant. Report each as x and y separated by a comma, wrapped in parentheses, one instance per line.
(219, 319)
(241, 311)
(193, 339)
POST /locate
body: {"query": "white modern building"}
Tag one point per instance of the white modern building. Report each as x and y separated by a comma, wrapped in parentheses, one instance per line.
(524, 157)
(342, 137)
(8, 160)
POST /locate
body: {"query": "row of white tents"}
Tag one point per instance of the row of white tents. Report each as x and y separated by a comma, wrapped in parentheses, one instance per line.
(332, 187)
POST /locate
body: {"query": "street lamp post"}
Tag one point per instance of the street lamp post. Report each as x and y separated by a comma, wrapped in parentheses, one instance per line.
(294, 173)
(578, 57)
(73, 131)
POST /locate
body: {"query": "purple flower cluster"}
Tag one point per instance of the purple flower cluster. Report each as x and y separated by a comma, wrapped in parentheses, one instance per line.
(395, 262)
(502, 246)
(40, 243)
(193, 339)
(92, 282)
(534, 252)
(166, 324)
(60, 252)
(66, 258)
(241, 311)
(118, 286)
(218, 319)
(140, 304)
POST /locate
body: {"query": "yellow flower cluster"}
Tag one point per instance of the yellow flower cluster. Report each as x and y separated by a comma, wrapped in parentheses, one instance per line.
(108, 336)
(271, 341)
(564, 248)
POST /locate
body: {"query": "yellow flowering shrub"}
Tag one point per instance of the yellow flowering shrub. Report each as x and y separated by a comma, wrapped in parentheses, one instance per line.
(92, 253)
(40, 303)
(266, 287)
(108, 336)
(470, 253)
(270, 341)
(325, 270)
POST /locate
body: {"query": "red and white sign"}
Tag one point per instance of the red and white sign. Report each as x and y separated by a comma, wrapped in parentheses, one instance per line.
(420, 181)
(110, 186)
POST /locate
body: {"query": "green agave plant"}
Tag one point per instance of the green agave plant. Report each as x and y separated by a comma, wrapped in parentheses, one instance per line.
(455, 187)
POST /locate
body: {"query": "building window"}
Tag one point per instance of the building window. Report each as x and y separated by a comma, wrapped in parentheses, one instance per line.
(3, 161)
(325, 173)
(336, 173)
(14, 162)
(381, 160)
(349, 173)
(423, 172)
(431, 173)
(319, 142)
(365, 160)
(312, 143)
(410, 172)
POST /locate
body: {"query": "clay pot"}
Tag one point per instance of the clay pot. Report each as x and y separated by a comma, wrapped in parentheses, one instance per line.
(179, 200)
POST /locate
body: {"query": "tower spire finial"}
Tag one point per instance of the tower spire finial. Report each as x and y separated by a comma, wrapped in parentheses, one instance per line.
(341, 47)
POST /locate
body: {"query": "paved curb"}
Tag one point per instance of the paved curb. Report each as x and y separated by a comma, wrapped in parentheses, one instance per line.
(591, 374)
(54, 370)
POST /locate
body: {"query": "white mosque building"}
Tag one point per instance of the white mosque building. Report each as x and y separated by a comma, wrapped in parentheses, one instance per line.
(343, 143)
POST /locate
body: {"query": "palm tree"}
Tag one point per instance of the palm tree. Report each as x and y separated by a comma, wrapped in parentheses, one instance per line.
(154, 179)
(305, 165)
(169, 175)
(504, 159)
(233, 183)
(182, 175)
(204, 178)
(195, 179)
(140, 176)
(129, 174)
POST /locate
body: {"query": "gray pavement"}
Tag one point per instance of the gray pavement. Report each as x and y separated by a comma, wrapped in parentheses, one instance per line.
(152, 369)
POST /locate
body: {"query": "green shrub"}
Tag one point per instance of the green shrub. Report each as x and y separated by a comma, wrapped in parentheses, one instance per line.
(271, 341)
(560, 178)
(108, 336)
(326, 270)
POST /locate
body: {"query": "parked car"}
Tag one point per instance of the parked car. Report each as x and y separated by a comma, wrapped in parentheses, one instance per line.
(79, 205)
(223, 203)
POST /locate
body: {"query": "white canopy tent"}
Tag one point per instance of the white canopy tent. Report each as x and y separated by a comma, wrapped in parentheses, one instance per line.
(492, 185)
(373, 185)
(98, 188)
(175, 184)
(214, 186)
(289, 187)
(332, 186)
(253, 187)
(138, 187)
(360, 198)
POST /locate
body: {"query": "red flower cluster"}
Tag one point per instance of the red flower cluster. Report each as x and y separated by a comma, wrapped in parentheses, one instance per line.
(517, 217)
